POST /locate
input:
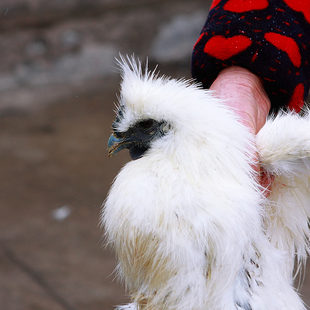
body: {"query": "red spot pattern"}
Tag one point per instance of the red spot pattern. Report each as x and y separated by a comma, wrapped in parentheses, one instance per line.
(268, 79)
(273, 38)
(240, 6)
(302, 6)
(200, 37)
(285, 44)
(223, 48)
(254, 57)
(214, 4)
(297, 100)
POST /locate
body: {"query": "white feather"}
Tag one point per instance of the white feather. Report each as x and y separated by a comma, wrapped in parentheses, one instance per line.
(189, 224)
(284, 147)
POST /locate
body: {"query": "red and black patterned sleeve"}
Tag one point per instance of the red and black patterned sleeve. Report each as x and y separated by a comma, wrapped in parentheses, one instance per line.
(271, 38)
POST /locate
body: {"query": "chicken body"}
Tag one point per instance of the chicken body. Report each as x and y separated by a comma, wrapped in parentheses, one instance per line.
(187, 219)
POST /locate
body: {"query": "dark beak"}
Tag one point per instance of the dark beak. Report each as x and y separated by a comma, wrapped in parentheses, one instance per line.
(116, 144)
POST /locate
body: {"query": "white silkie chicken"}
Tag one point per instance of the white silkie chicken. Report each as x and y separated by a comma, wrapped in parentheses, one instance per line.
(187, 219)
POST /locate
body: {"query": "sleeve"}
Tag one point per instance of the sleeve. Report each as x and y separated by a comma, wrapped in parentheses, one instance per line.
(271, 38)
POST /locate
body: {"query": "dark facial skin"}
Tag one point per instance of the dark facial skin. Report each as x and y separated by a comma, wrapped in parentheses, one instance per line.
(137, 138)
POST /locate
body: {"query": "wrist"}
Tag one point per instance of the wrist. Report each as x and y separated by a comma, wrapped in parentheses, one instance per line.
(245, 94)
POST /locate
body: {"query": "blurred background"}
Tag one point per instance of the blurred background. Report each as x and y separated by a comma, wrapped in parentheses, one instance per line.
(58, 82)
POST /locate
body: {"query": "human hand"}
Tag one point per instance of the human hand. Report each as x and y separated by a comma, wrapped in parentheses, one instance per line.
(245, 94)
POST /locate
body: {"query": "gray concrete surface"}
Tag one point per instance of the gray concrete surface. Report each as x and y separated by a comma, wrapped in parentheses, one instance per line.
(51, 49)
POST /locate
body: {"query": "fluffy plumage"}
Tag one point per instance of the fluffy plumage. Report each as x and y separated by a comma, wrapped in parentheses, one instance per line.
(188, 221)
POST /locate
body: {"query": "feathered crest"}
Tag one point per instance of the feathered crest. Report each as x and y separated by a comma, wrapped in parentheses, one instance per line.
(132, 65)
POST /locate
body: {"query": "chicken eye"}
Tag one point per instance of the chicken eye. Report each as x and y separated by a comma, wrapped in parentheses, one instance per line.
(147, 124)
(118, 134)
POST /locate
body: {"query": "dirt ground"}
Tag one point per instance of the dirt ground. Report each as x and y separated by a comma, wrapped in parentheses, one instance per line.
(50, 158)
(55, 157)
